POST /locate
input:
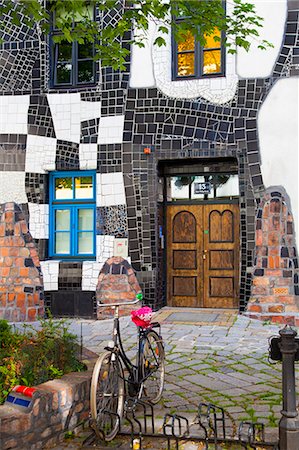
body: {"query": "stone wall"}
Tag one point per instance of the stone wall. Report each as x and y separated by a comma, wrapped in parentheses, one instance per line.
(58, 406)
(21, 287)
(117, 283)
(275, 279)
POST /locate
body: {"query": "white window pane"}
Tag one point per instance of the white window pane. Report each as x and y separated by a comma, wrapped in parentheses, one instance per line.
(62, 219)
(228, 188)
(62, 243)
(180, 187)
(85, 219)
(85, 242)
(83, 187)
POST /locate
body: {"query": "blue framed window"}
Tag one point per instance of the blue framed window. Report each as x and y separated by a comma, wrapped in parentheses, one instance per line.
(72, 64)
(72, 215)
(190, 60)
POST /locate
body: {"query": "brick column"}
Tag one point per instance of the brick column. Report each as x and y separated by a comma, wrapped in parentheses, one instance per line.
(21, 287)
(117, 283)
(274, 294)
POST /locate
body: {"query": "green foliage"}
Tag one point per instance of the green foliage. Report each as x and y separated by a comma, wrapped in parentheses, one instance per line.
(75, 23)
(36, 356)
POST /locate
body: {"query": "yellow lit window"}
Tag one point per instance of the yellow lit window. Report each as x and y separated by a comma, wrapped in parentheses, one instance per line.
(191, 60)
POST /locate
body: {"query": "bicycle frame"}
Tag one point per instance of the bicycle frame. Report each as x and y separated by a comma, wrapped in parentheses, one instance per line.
(134, 370)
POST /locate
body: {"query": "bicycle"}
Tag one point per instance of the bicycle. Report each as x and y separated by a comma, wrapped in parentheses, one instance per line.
(116, 378)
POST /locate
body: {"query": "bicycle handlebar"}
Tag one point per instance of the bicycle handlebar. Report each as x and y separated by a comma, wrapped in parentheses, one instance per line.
(108, 305)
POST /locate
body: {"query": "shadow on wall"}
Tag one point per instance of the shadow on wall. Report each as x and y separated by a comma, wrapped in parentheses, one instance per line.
(117, 283)
(21, 289)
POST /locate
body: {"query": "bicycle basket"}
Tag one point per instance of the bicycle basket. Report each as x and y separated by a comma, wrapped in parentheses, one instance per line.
(142, 317)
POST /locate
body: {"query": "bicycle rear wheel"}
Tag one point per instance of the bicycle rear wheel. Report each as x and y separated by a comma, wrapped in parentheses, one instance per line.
(152, 364)
(107, 395)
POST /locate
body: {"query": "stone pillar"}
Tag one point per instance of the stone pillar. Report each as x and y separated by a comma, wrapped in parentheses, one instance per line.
(274, 294)
(21, 287)
(117, 283)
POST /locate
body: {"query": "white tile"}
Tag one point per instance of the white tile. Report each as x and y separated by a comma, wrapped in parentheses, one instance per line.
(104, 248)
(14, 114)
(65, 109)
(88, 156)
(39, 220)
(111, 130)
(50, 270)
(40, 154)
(90, 110)
(90, 275)
(12, 187)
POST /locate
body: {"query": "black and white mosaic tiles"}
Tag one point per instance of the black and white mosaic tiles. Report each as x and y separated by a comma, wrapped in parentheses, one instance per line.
(112, 221)
(175, 130)
(39, 117)
(67, 156)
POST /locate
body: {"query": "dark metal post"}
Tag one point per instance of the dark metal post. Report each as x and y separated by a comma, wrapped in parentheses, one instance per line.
(289, 422)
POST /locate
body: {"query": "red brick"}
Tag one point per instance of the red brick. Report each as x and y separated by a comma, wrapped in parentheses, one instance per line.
(24, 252)
(254, 307)
(291, 308)
(2, 229)
(276, 308)
(260, 290)
(19, 262)
(287, 299)
(11, 296)
(259, 237)
(273, 238)
(273, 273)
(24, 271)
(31, 313)
(261, 281)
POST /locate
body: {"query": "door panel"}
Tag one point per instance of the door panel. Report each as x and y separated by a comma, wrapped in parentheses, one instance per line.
(221, 249)
(184, 253)
(203, 255)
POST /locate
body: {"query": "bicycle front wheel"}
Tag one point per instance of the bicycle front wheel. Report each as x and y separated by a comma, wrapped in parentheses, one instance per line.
(152, 363)
(107, 395)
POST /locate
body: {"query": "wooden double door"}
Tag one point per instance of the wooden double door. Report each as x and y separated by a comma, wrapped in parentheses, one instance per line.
(203, 255)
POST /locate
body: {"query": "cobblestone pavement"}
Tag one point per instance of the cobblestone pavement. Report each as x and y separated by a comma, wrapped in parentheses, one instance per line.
(218, 357)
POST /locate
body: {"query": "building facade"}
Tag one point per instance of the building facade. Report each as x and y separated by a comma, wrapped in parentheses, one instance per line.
(185, 165)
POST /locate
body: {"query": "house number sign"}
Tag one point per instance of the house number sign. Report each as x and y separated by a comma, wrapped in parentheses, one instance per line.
(202, 188)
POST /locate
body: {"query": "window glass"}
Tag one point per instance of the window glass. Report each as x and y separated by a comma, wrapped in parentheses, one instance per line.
(63, 188)
(85, 72)
(85, 242)
(85, 219)
(185, 64)
(210, 42)
(73, 63)
(180, 187)
(188, 43)
(62, 243)
(193, 60)
(211, 61)
(203, 187)
(62, 219)
(83, 187)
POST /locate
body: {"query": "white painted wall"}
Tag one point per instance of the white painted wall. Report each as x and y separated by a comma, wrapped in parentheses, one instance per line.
(278, 136)
(260, 63)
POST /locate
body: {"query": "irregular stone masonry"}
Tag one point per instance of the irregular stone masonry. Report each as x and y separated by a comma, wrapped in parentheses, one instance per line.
(117, 283)
(58, 406)
(275, 278)
(21, 289)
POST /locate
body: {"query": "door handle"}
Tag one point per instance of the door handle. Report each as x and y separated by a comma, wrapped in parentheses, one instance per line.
(204, 254)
